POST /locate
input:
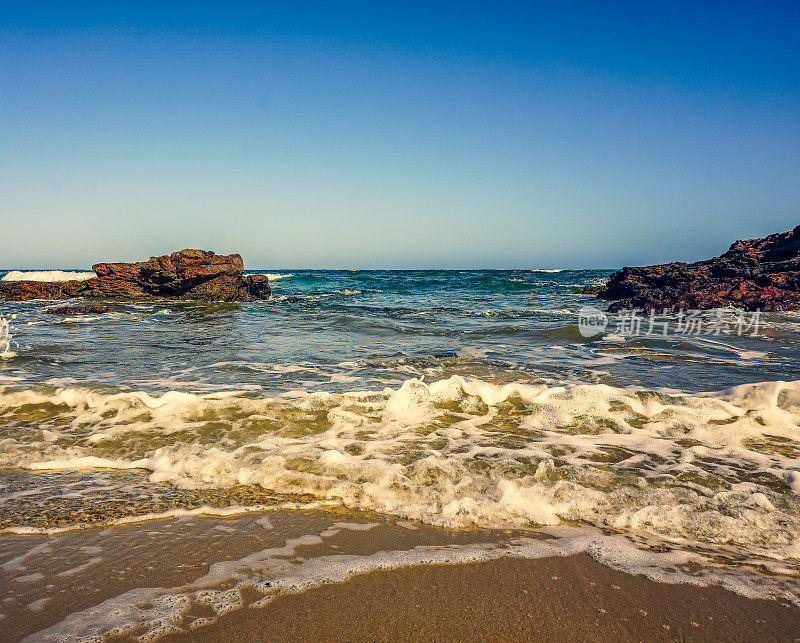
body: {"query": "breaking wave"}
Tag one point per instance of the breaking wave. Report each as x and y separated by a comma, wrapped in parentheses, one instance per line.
(272, 276)
(47, 275)
(717, 471)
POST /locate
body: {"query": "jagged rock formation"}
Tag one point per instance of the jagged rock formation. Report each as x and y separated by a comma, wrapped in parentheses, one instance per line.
(187, 274)
(757, 274)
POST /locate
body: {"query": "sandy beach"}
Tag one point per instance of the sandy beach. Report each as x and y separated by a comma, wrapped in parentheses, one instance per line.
(556, 599)
(261, 576)
(44, 579)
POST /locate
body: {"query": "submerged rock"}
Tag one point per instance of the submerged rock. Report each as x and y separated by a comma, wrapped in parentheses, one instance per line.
(187, 274)
(756, 274)
(78, 310)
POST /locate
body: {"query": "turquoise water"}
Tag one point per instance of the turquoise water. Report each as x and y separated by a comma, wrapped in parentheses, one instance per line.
(379, 327)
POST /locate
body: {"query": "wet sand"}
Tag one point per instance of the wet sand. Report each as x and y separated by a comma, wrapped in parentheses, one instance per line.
(570, 598)
(44, 579)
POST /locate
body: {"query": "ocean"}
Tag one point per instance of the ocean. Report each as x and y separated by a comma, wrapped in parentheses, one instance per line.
(466, 400)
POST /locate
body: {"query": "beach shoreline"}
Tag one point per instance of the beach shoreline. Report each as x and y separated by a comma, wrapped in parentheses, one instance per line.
(337, 574)
(566, 598)
(198, 500)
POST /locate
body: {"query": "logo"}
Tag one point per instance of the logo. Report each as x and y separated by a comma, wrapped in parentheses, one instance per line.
(591, 321)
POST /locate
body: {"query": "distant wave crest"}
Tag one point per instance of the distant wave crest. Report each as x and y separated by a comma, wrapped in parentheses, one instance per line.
(46, 275)
(272, 276)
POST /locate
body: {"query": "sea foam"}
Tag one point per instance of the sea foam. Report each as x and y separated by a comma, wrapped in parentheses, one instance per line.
(705, 470)
(272, 276)
(5, 339)
(47, 275)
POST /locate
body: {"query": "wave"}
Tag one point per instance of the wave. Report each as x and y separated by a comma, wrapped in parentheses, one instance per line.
(203, 510)
(334, 294)
(47, 275)
(5, 339)
(716, 470)
(272, 276)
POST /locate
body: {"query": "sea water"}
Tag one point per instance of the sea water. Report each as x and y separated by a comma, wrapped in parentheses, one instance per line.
(455, 398)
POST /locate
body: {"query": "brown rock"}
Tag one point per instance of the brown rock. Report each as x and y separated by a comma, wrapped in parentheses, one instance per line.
(187, 274)
(756, 274)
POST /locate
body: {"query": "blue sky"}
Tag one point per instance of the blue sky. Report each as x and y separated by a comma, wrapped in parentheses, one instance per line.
(366, 134)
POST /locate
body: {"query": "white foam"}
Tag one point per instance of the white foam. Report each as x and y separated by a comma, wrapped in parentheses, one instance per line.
(204, 510)
(47, 275)
(17, 563)
(272, 276)
(5, 339)
(38, 605)
(461, 452)
(80, 568)
(29, 578)
(86, 462)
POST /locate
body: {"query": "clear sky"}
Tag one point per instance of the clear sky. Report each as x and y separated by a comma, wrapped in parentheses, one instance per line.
(396, 134)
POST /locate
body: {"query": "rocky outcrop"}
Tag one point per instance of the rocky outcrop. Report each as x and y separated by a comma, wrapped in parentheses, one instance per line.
(187, 274)
(757, 274)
